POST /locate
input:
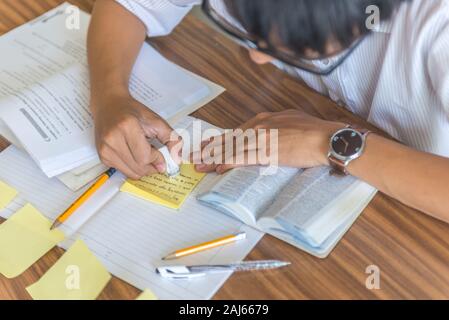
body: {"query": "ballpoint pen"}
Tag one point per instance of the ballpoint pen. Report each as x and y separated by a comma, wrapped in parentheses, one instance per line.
(196, 271)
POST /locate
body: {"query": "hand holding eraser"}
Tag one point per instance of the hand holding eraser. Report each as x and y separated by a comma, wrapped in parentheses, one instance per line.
(171, 167)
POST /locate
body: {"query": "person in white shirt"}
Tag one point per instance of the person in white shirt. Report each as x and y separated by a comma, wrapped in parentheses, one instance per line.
(394, 74)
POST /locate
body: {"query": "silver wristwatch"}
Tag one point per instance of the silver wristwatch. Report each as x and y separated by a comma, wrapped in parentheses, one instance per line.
(346, 145)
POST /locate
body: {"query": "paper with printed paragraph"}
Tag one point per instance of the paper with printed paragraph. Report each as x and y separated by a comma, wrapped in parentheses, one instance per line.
(167, 191)
(77, 275)
(7, 194)
(147, 294)
(24, 238)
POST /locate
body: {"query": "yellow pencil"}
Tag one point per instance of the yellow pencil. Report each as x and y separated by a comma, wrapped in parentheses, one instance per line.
(205, 246)
(83, 198)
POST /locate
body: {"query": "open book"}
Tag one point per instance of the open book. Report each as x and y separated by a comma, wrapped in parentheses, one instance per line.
(309, 209)
(44, 92)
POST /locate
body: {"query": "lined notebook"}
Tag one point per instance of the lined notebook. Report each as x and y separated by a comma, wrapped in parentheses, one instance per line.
(130, 235)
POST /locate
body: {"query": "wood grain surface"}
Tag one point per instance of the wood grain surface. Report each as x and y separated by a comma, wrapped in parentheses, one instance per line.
(410, 249)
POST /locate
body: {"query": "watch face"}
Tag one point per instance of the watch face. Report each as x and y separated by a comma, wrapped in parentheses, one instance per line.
(347, 143)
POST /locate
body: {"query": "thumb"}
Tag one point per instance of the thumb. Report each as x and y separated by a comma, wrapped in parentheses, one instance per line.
(158, 128)
(158, 160)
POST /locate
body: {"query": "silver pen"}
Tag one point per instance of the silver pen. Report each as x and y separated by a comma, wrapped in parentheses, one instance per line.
(190, 272)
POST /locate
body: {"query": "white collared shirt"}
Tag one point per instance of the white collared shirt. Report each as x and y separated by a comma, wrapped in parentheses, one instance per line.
(397, 78)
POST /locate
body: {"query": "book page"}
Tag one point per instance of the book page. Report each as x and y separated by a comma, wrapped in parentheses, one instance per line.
(252, 190)
(306, 195)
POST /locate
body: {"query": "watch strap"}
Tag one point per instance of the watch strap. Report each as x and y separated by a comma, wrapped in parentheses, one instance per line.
(338, 167)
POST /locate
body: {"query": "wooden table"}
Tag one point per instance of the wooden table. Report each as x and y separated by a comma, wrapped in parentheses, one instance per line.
(411, 249)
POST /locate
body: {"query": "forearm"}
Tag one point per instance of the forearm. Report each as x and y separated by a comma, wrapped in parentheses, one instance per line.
(114, 41)
(417, 179)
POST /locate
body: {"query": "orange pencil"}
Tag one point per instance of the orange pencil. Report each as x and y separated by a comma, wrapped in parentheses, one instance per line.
(205, 246)
(83, 198)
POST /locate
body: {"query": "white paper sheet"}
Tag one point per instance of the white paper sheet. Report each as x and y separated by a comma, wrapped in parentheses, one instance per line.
(130, 235)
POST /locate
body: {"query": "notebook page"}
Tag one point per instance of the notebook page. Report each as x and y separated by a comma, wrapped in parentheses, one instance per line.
(130, 236)
(49, 196)
(108, 235)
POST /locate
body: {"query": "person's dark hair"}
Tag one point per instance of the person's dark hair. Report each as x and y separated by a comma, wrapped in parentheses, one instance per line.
(301, 24)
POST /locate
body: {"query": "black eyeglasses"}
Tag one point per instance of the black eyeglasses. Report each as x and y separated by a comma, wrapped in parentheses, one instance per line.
(217, 12)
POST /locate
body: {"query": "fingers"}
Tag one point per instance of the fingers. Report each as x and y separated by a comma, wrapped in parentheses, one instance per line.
(158, 161)
(138, 145)
(126, 149)
(156, 127)
(122, 149)
(198, 157)
(111, 159)
(121, 138)
(216, 157)
(240, 148)
(223, 168)
(234, 162)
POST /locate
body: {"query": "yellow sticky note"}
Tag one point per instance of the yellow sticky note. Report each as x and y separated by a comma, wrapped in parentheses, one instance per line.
(24, 238)
(147, 294)
(77, 275)
(7, 193)
(167, 191)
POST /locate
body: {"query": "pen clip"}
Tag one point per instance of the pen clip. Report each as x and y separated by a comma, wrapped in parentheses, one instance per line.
(178, 272)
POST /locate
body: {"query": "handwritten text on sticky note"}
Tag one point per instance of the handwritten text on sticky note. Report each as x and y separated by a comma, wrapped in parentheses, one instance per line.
(164, 190)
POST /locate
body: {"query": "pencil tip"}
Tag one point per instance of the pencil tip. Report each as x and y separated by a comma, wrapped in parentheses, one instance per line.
(169, 257)
(55, 225)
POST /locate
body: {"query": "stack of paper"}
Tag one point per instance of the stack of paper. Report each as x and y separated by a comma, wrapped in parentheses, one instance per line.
(44, 94)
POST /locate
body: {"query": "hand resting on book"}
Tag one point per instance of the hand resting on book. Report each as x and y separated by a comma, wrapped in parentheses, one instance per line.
(303, 142)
